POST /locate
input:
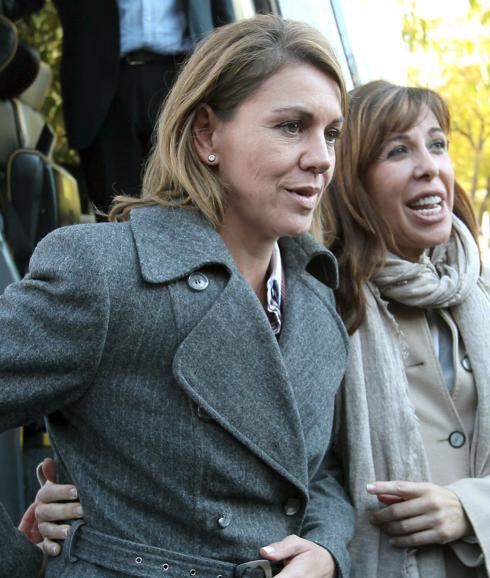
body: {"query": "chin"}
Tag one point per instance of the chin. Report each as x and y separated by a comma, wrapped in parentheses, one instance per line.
(433, 238)
(441, 237)
(298, 228)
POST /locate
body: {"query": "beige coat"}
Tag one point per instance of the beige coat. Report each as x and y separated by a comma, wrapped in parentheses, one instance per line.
(441, 414)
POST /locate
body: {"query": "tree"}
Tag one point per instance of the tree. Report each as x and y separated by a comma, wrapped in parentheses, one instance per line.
(43, 31)
(459, 52)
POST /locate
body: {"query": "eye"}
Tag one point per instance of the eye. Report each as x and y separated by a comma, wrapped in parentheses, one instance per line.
(292, 127)
(397, 151)
(439, 145)
(331, 135)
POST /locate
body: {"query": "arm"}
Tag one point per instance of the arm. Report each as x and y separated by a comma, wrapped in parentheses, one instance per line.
(474, 494)
(53, 330)
(329, 517)
(327, 529)
(54, 505)
(420, 513)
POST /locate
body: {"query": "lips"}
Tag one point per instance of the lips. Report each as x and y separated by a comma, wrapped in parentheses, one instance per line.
(306, 196)
(304, 191)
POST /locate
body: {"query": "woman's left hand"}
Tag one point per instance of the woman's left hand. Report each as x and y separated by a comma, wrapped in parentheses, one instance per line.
(301, 558)
(28, 525)
(419, 513)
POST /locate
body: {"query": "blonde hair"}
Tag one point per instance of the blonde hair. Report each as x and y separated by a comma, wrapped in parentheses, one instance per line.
(356, 232)
(223, 71)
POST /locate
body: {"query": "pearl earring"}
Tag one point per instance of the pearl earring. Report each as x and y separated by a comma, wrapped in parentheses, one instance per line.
(211, 158)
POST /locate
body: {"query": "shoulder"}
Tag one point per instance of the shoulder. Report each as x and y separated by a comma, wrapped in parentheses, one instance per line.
(80, 241)
(82, 257)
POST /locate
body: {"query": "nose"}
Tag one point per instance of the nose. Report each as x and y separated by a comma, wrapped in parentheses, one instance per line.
(427, 166)
(317, 156)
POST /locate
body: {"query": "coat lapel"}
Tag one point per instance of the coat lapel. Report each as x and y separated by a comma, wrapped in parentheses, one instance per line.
(230, 363)
(171, 243)
(314, 345)
(232, 366)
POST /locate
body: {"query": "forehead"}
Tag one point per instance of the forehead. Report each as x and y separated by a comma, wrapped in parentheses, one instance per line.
(426, 122)
(298, 85)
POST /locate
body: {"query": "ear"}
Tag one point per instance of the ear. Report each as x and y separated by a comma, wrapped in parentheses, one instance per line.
(204, 128)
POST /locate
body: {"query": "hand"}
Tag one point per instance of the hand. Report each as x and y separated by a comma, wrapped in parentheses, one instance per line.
(28, 525)
(419, 513)
(54, 505)
(301, 558)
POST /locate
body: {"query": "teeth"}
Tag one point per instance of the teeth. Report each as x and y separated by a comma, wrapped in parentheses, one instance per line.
(432, 200)
(428, 212)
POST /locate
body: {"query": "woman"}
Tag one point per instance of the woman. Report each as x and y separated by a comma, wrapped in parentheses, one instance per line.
(187, 360)
(415, 416)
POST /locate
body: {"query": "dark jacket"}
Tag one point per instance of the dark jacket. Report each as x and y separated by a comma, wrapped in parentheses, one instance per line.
(91, 54)
(171, 408)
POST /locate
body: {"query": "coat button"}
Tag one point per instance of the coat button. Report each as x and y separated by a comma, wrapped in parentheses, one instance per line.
(292, 506)
(197, 281)
(465, 362)
(203, 415)
(224, 520)
(457, 439)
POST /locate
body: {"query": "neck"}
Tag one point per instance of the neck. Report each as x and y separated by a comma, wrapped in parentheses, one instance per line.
(252, 260)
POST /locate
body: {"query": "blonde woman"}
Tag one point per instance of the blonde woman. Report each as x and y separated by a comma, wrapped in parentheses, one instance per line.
(188, 353)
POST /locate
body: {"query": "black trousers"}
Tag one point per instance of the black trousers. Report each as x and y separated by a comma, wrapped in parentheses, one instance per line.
(114, 162)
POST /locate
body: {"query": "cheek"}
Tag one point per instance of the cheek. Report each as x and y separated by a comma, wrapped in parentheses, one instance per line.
(450, 187)
(384, 193)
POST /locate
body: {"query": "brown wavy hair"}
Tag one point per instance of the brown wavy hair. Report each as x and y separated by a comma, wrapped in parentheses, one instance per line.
(355, 231)
(223, 71)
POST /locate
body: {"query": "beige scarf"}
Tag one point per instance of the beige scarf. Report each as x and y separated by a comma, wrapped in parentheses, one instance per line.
(379, 436)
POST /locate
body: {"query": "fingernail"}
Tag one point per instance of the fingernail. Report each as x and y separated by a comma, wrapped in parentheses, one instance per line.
(370, 487)
(78, 511)
(269, 549)
(65, 531)
(74, 493)
(53, 550)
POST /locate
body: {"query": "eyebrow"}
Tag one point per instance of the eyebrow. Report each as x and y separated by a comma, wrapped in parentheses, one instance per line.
(305, 113)
(404, 137)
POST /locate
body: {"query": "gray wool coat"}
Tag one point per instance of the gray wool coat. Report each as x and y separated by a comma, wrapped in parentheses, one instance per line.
(18, 557)
(183, 421)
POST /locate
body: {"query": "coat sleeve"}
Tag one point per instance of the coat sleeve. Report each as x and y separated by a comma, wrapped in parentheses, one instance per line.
(329, 517)
(18, 556)
(474, 494)
(53, 324)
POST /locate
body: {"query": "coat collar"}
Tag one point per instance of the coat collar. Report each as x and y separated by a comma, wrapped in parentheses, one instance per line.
(171, 243)
(229, 353)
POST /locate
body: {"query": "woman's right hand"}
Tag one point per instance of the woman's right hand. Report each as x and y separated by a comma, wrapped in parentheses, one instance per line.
(55, 505)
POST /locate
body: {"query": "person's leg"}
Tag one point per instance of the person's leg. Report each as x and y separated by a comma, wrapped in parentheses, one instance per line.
(113, 164)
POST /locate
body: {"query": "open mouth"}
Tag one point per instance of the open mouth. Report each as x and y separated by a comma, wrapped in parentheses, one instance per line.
(304, 191)
(306, 196)
(427, 206)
